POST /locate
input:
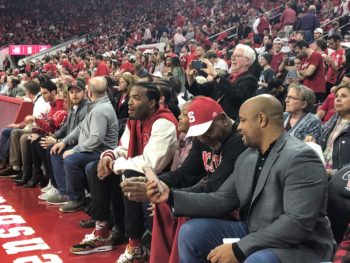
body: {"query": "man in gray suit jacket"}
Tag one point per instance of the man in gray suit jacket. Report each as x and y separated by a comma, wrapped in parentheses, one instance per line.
(279, 184)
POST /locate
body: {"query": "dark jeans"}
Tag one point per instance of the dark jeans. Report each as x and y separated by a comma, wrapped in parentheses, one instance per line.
(198, 236)
(105, 194)
(5, 143)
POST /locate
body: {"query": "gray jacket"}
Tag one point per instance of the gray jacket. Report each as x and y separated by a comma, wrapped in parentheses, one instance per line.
(288, 210)
(73, 120)
(98, 131)
(18, 91)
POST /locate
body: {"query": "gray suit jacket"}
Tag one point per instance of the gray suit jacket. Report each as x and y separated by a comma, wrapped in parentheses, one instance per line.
(288, 211)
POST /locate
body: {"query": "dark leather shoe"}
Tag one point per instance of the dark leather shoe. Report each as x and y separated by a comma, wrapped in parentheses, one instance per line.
(17, 178)
(8, 172)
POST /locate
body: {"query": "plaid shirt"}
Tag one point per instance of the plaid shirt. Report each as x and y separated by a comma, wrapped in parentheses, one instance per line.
(342, 255)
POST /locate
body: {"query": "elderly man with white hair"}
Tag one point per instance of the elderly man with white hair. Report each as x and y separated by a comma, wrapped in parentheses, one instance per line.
(229, 91)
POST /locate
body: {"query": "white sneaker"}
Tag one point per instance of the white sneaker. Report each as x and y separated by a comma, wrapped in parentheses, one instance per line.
(47, 188)
(52, 192)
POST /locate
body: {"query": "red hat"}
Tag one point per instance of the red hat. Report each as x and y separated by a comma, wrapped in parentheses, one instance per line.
(201, 113)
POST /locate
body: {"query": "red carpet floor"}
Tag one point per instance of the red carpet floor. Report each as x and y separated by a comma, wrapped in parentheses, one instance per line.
(31, 231)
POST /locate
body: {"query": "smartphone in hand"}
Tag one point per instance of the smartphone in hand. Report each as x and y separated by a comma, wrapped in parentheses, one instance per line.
(151, 175)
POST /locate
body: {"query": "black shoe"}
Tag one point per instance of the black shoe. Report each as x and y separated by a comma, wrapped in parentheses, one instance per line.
(118, 236)
(9, 172)
(36, 178)
(90, 223)
(27, 174)
(146, 239)
(17, 178)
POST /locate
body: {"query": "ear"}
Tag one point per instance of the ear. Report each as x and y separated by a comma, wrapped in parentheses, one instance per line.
(262, 118)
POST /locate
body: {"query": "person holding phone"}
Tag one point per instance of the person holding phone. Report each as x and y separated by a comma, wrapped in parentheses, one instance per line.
(280, 185)
(230, 92)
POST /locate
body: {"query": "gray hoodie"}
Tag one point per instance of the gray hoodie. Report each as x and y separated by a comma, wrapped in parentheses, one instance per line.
(98, 131)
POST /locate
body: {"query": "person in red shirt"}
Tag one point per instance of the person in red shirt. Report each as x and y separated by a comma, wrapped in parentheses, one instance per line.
(312, 69)
(277, 55)
(287, 19)
(65, 63)
(128, 65)
(102, 69)
(180, 20)
(334, 61)
(50, 67)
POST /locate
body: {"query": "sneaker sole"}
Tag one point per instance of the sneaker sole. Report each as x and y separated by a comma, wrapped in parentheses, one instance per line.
(52, 203)
(8, 176)
(94, 250)
(71, 211)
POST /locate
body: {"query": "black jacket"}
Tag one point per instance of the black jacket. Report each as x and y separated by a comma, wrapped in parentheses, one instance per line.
(204, 170)
(122, 112)
(229, 95)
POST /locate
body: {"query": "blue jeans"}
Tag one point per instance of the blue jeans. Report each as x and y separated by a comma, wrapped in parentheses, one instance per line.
(5, 143)
(198, 236)
(71, 173)
(58, 172)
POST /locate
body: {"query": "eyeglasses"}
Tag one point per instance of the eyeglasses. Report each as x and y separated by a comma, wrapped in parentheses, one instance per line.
(293, 98)
(238, 56)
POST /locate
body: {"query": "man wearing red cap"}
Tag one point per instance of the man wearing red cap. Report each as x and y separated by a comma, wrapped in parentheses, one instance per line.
(211, 160)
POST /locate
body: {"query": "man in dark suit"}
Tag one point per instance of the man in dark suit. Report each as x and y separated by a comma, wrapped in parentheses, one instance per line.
(279, 184)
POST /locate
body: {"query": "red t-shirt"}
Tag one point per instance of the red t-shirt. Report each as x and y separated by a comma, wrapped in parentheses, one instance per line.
(127, 67)
(316, 81)
(276, 61)
(102, 70)
(338, 57)
(328, 107)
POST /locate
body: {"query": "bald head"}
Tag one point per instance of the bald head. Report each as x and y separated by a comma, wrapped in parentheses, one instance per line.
(261, 121)
(266, 104)
(98, 86)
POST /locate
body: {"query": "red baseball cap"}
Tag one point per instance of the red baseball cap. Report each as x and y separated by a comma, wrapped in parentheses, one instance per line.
(201, 113)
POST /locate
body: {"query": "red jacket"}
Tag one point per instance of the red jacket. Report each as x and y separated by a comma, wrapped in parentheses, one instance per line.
(52, 120)
(140, 137)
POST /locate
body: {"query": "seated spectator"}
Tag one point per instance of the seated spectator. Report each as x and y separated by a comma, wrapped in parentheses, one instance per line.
(266, 75)
(153, 146)
(178, 72)
(339, 200)
(97, 133)
(78, 103)
(15, 89)
(276, 163)
(40, 107)
(218, 63)
(168, 98)
(298, 120)
(208, 165)
(333, 140)
(326, 111)
(126, 82)
(232, 92)
(49, 123)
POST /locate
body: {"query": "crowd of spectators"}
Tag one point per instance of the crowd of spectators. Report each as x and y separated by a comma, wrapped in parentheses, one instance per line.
(202, 114)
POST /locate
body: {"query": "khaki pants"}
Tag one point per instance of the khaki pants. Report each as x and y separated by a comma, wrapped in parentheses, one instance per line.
(18, 147)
